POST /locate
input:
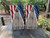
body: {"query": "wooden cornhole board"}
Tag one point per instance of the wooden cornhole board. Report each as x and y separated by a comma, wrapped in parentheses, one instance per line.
(31, 21)
(17, 22)
(30, 24)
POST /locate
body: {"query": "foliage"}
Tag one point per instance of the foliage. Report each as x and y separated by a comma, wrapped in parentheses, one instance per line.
(48, 28)
(37, 2)
(8, 0)
(29, 2)
(44, 23)
(4, 6)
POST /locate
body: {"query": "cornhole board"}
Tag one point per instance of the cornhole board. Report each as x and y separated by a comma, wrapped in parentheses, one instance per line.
(17, 22)
(30, 24)
(31, 21)
(16, 18)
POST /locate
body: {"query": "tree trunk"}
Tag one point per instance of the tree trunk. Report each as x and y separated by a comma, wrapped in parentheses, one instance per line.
(48, 9)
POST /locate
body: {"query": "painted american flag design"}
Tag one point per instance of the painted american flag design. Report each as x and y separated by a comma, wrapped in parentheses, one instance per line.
(12, 11)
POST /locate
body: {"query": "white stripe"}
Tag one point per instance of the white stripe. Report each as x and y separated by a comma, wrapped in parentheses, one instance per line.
(29, 11)
(13, 12)
(26, 13)
(10, 12)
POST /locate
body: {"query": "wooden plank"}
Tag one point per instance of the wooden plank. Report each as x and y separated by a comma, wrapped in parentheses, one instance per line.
(31, 22)
(5, 15)
(17, 22)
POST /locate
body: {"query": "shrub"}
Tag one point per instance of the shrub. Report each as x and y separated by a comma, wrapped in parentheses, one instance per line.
(44, 24)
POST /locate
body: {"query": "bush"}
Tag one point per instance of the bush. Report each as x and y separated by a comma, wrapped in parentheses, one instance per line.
(48, 29)
(44, 24)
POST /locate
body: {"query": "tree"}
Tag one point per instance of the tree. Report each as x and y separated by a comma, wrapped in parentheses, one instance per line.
(6, 7)
(48, 9)
(7, 3)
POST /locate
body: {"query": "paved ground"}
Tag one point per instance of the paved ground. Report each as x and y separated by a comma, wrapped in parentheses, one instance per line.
(7, 32)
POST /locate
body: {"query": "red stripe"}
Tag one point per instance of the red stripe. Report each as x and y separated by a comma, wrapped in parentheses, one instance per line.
(14, 8)
(37, 19)
(23, 20)
(12, 11)
(30, 7)
(27, 10)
